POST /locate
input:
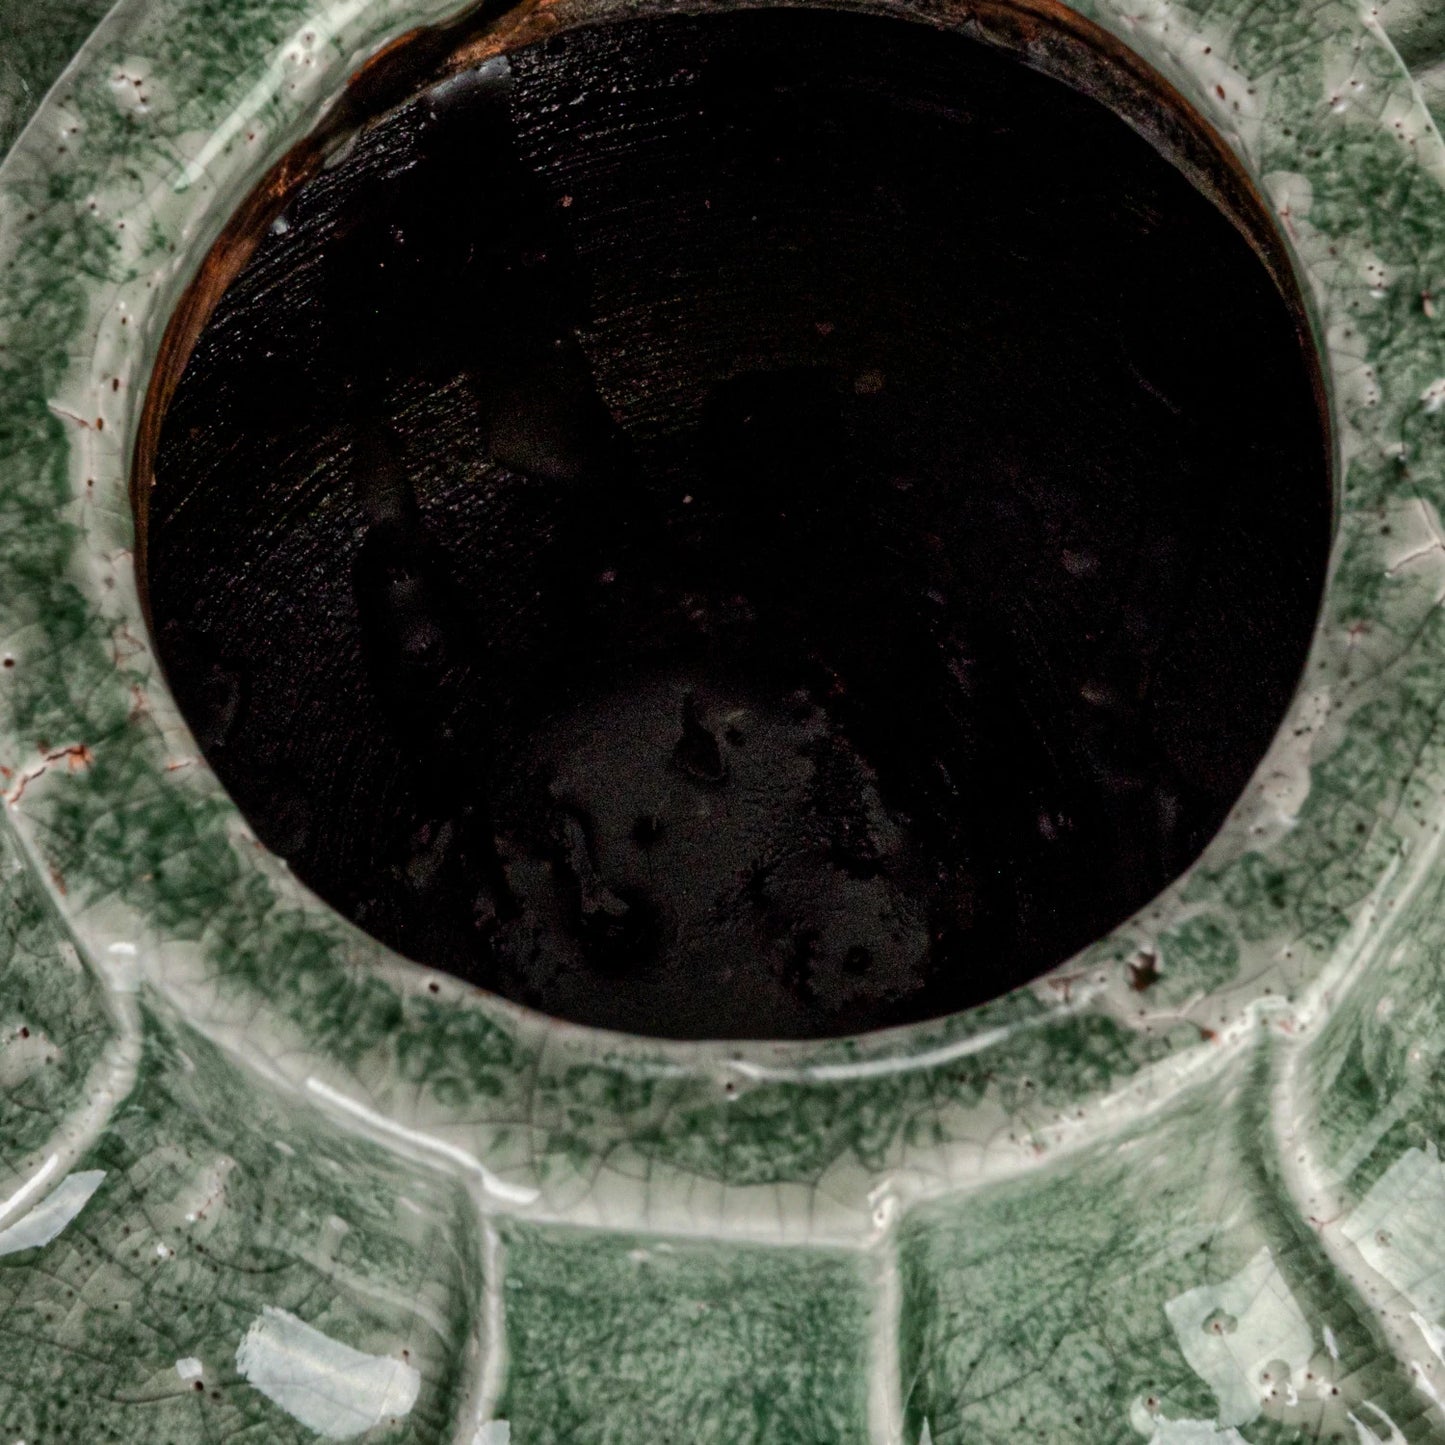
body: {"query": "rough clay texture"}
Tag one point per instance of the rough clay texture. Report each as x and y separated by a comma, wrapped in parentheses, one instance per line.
(1205, 1209)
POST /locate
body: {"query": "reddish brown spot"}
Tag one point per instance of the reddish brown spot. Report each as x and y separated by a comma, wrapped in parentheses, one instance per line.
(1144, 972)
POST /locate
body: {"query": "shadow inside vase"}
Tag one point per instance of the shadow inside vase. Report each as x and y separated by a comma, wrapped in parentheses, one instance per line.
(771, 524)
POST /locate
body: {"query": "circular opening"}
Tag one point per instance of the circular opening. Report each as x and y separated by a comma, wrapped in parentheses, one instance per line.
(771, 524)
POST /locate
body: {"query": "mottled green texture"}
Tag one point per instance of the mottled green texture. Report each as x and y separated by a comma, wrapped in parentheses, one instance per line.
(619, 1339)
(55, 1026)
(982, 1224)
(794, 1131)
(219, 1201)
(1197, 957)
(1037, 1311)
(37, 40)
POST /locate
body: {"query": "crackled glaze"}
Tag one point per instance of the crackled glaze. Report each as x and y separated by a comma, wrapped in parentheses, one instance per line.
(246, 1151)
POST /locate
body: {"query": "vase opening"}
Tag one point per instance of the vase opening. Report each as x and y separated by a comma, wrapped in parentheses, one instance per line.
(764, 524)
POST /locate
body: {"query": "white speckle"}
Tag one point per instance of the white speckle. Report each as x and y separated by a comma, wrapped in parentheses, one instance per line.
(164, 1251)
(1144, 1414)
(52, 1214)
(128, 97)
(1194, 1432)
(1292, 192)
(883, 1206)
(190, 1369)
(280, 226)
(121, 968)
(1265, 1324)
(1434, 395)
(1397, 1227)
(493, 1432)
(325, 1385)
(67, 122)
(133, 88)
(1331, 1344)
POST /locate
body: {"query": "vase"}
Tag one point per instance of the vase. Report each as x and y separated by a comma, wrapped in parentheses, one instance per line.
(276, 1164)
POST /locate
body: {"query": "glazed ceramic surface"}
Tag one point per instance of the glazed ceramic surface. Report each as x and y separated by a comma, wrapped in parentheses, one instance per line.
(261, 1179)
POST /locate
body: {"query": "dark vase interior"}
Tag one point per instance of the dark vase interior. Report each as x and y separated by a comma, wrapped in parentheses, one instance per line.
(767, 524)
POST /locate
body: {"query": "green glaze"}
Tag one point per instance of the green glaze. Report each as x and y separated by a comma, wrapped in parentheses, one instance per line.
(37, 38)
(60, 1046)
(367, 1201)
(614, 1338)
(213, 1208)
(1153, 1279)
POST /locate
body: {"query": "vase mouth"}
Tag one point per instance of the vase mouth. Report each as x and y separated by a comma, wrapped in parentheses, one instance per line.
(812, 719)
